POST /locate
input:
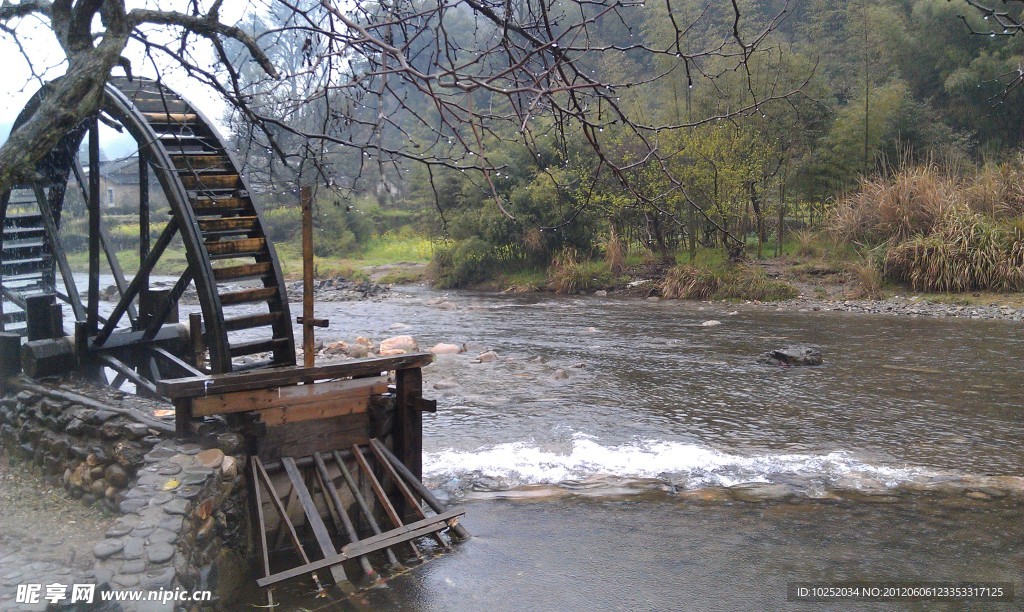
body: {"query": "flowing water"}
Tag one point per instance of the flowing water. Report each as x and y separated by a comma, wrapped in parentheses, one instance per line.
(595, 456)
(600, 455)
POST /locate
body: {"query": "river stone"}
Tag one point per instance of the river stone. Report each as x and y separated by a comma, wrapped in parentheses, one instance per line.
(161, 497)
(135, 566)
(159, 552)
(444, 385)
(172, 522)
(559, 374)
(190, 448)
(405, 344)
(161, 535)
(978, 495)
(487, 357)
(115, 475)
(108, 547)
(760, 492)
(132, 504)
(169, 469)
(125, 580)
(158, 580)
(178, 506)
(447, 348)
(121, 527)
(134, 547)
(793, 356)
(128, 454)
(229, 469)
(211, 458)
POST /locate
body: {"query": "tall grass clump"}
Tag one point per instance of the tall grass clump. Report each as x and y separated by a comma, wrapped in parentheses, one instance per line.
(569, 273)
(967, 252)
(941, 233)
(687, 282)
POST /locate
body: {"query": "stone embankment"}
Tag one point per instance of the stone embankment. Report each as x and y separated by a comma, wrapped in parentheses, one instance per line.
(906, 306)
(179, 506)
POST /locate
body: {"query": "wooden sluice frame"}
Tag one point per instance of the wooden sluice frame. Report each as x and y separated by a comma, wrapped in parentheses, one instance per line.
(310, 416)
(355, 548)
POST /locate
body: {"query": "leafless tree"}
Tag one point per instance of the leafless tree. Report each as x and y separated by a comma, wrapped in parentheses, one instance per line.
(436, 82)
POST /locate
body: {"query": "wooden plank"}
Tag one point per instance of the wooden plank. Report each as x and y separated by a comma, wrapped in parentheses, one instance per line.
(382, 497)
(369, 545)
(230, 224)
(242, 271)
(236, 247)
(208, 206)
(251, 321)
(342, 522)
(292, 396)
(197, 386)
(256, 518)
(424, 492)
(204, 162)
(261, 474)
(313, 519)
(205, 182)
(257, 346)
(306, 437)
(247, 296)
(170, 118)
(361, 502)
(297, 414)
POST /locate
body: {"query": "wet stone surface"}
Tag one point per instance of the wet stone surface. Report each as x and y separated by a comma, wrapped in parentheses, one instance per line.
(153, 500)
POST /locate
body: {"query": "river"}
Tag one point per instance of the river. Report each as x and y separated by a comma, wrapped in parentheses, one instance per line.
(595, 457)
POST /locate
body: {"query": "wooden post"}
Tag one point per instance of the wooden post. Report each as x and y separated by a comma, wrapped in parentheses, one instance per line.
(307, 320)
(195, 331)
(408, 429)
(39, 315)
(93, 313)
(10, 354)
(306, 198)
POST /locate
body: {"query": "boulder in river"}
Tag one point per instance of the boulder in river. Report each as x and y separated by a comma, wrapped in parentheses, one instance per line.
(487, 357)
(398, 345)
(793, 356)
(447, 348)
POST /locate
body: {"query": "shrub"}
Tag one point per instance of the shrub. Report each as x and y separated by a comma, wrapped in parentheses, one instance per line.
(568, 274)
(734, 283)
(462, 263)
(967, 252)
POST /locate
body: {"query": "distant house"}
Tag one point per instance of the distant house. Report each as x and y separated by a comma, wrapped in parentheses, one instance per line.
(119, 184)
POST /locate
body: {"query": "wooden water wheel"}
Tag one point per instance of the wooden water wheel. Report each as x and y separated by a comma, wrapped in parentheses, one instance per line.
(201, 207)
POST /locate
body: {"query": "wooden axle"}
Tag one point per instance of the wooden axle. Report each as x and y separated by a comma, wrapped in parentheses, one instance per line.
(56, 356)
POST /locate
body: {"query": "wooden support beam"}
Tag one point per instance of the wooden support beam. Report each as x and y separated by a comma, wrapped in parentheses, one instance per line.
(323, 538)
(92, 316)
(53, 237)
(424, 492)
(368, 545)
(260, 475)
(361, 502)
(39, 316)
(382, 497)
(288, 375)
(410, 499)
(346, 526)
(10, 354)
(145, 268)
(408, 429)
(290, 397)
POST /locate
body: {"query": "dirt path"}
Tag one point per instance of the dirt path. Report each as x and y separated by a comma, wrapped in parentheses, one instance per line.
(45, 536)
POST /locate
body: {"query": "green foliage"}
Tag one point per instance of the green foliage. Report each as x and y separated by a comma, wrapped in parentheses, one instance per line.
(730, 283)
(463, 263)
(571, 274)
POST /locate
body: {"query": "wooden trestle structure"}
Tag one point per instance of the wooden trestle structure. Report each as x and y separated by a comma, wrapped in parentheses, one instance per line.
(335, 449)
(320, 462)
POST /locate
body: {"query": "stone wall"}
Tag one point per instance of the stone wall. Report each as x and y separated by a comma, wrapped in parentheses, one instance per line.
(182, 505)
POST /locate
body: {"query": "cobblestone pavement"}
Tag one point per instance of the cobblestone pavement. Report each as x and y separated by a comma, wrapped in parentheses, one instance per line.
(45, 536)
